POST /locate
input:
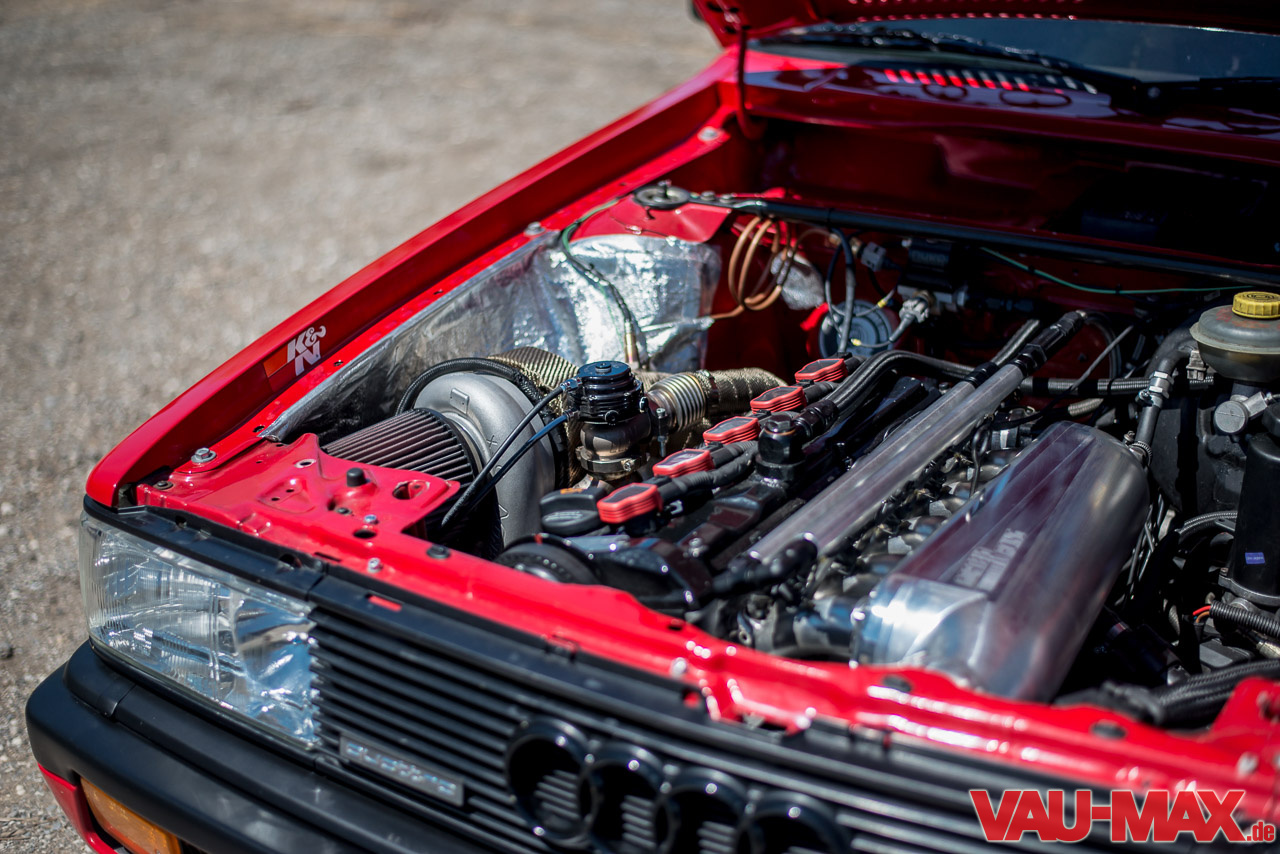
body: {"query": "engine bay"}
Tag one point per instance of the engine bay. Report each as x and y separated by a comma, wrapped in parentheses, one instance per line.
(1045, 476)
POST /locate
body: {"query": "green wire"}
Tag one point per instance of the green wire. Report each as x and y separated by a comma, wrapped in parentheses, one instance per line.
(1118, 292)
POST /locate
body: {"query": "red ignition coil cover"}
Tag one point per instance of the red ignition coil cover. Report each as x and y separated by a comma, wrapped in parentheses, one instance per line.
(740, 428)
(822, 371)
(628, 502)
(684, 462)
(781, 399)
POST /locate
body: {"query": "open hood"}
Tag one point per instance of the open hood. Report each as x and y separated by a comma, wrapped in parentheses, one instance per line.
(762, 17)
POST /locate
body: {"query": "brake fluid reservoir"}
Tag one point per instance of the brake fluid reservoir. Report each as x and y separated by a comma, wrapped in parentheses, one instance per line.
(1242, 340)
(1003, 595)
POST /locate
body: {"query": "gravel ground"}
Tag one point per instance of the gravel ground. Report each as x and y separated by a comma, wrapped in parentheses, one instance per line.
(177, 177)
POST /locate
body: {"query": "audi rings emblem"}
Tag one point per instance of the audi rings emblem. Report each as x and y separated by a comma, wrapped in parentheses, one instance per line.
(545, 764)
(618, 798)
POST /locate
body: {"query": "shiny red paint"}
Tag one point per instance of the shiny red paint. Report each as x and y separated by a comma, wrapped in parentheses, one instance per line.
(303, 491)
(689, 136)
(70, 797)
(727, 17)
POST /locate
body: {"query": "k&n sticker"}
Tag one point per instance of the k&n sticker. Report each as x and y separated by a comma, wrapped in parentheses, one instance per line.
(293, 359)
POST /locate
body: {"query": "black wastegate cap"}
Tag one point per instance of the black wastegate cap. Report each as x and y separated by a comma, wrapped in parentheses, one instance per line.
(610, 393)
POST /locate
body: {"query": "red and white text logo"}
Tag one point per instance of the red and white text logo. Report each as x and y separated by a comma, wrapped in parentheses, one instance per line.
(1161, 817)
(300, 353)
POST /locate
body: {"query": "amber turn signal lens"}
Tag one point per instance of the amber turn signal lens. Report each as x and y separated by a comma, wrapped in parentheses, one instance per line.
(129, 829)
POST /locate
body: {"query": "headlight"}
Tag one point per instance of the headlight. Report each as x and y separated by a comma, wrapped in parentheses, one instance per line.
(237, 644)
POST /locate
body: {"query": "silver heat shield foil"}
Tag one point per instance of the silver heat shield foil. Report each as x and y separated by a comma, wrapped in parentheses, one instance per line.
(802, 287)
(531, 298)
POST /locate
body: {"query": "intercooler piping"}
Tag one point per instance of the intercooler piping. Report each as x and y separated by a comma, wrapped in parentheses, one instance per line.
(831, 519)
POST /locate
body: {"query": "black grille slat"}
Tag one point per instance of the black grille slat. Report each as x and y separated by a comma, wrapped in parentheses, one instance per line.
(514, 698)
(432, 690)
(474, 766)
(870, 845)
(430, 709)
(557, 793)
(716, 838)
(423, 669)
(637, 822)
(461, 717)
(382, 706)
(353, 709)
(942, 832)
(481, 822)
(485, 798)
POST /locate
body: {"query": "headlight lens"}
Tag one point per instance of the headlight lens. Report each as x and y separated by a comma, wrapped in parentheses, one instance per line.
(237, 644)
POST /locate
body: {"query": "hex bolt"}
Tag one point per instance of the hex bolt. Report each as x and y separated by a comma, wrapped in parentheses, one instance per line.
(371, 519)
(374, 565)
(679, 667)
(203, 455)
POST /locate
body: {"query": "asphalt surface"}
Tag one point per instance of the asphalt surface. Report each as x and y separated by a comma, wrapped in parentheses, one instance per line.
(177, 177)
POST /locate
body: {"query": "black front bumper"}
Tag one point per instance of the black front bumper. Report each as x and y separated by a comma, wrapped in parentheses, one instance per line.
(218, 792)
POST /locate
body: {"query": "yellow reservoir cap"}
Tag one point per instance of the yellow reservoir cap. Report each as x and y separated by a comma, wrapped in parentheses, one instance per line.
(1256, 304)
(127, 827)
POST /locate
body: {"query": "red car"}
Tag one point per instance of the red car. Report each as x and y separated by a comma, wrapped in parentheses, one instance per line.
(870, 445)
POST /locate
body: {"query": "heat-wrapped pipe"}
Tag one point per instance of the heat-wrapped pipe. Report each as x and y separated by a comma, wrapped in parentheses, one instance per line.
(689, 397)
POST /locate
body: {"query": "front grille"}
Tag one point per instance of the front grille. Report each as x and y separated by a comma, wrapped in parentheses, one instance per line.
(519, 751)
(429, 709)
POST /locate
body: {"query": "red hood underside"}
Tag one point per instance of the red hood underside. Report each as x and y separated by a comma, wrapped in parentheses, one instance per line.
(767, 16)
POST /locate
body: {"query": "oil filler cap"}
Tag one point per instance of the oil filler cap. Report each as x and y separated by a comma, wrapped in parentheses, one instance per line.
(1260, 305)
(629, 502)
(571, 512)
